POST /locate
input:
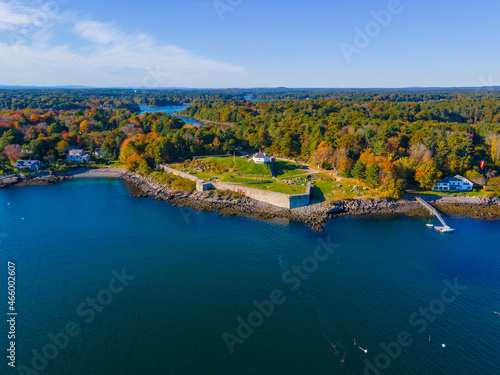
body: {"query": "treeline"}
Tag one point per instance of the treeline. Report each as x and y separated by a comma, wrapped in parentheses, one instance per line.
(131, 99)
(391, 95)
(72, 99)
(51, 99)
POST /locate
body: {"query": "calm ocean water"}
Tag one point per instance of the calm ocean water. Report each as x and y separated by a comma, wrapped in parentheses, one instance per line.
(170, 110)
(189, 276)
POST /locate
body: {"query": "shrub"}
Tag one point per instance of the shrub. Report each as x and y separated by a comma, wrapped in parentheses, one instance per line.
(494, 184)
(476, 177)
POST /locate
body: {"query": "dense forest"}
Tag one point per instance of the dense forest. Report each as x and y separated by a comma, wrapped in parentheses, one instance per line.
(391, 139)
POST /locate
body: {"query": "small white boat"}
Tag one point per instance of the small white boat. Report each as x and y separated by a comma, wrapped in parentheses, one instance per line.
(430, 225)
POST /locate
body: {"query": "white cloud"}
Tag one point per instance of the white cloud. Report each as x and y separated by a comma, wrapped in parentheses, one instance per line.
(13, 16)
(97, 32)
(103, 55)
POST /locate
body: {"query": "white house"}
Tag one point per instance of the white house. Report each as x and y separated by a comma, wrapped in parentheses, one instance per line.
(32, 165)
(98, 153)
(457, 183)
(261, 158)
(78, 155)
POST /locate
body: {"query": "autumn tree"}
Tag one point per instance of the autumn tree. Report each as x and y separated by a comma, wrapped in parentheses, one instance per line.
(420, 152)
(85, 126)
(427, 175)
(216, 144)
(495, 149)
(494, 184)
(342, 162)
(391, 184)
(13, 152)
(322, 157)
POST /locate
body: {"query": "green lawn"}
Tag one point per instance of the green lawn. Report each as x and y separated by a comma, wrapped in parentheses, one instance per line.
(227, 177)
(279, 187)
(286, 169)
(217, 167)
(327, 188)
(240, 165)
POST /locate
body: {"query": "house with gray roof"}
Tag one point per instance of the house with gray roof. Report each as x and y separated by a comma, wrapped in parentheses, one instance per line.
(78, 155)
(32, 165)
(261, 158)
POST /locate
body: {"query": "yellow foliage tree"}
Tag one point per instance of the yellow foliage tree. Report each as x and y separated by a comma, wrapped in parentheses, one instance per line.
(85, 126)
(495, 149)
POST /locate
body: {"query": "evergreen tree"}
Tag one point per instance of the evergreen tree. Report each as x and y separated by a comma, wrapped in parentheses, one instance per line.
(359, 170)
(372, 177)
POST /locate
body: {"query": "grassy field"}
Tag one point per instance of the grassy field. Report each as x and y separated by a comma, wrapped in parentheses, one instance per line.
(225, 169)
(279, 187)
(239, 165)
(227, 177)
(285, 169)
(175, 182)
(330, 189)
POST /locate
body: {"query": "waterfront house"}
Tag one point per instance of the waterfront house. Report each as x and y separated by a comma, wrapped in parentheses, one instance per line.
(32, 165)
(456, 184)
(78, 155)
(98, 153)
(261, 158)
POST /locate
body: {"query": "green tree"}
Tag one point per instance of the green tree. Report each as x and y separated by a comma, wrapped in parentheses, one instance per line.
(143, 167)
(372, 176)
(62, 147)
(359, 170)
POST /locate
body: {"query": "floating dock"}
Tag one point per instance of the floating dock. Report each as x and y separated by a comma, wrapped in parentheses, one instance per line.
(445, 228)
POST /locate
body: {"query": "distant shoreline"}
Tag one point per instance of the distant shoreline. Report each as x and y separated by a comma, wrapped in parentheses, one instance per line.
(315, 215)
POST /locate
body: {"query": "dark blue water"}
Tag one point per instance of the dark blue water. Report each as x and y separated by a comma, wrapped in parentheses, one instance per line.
(196, 273)
(171, 110)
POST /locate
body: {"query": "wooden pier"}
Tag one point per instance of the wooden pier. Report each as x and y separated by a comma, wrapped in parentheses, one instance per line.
(435, 213)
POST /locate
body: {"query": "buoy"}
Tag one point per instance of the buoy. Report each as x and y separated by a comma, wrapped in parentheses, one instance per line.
(366, 351)
(443, 345)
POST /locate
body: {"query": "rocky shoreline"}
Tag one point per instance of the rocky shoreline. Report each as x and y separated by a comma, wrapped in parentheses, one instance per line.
(317, 214)
(225, 203)
(80, 173)
(314, 216)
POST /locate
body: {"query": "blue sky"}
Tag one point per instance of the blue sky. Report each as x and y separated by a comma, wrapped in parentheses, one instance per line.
(250, 43)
